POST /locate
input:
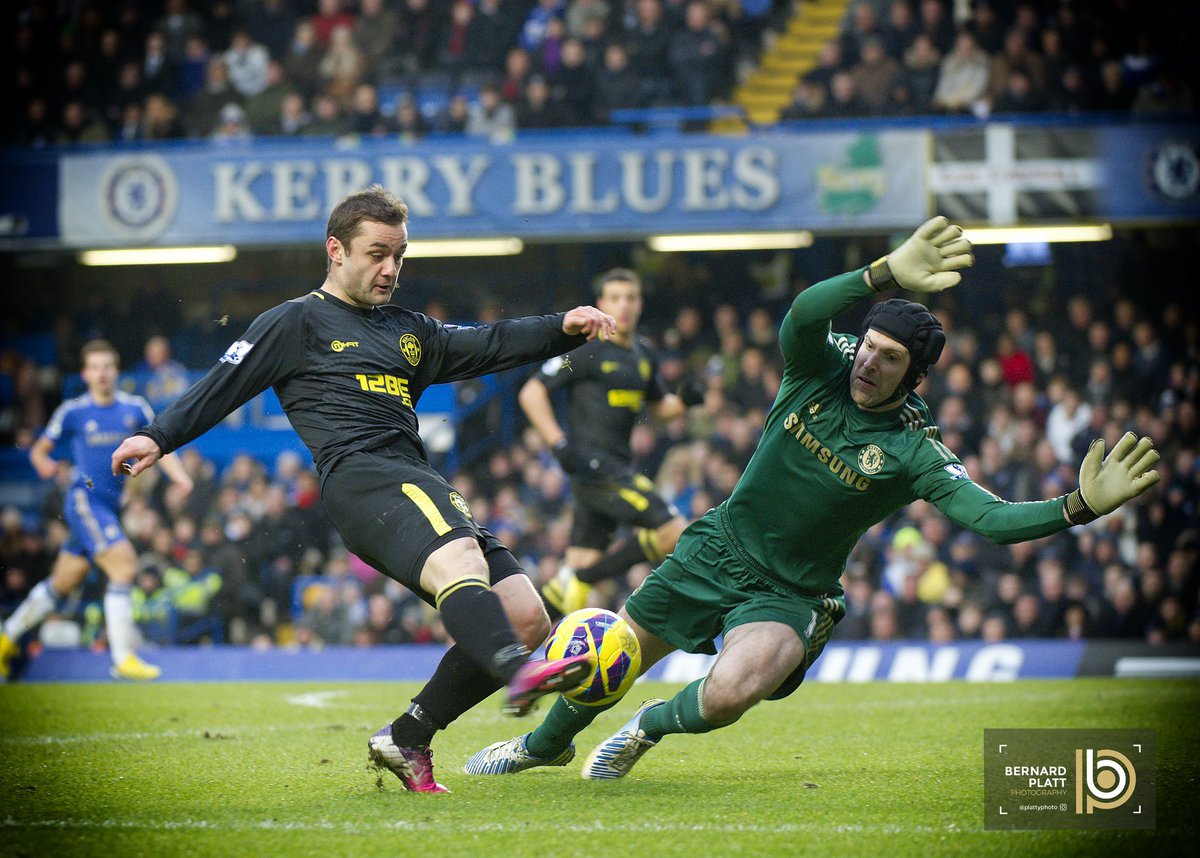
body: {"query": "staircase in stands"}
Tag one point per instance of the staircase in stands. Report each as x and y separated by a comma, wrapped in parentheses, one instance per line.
(788, 55)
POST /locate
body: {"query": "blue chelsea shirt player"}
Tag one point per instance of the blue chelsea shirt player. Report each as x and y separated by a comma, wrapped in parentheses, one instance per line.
(90, 427)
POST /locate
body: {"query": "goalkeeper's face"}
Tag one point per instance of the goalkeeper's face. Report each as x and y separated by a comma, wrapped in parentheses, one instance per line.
(879, 368)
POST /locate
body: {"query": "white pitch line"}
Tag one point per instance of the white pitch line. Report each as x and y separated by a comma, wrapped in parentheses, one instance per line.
(315, 699)
(197, 733)
(496, 827)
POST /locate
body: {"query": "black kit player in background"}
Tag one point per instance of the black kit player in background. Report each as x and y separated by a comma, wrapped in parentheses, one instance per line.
(609, 383)
(349, 368)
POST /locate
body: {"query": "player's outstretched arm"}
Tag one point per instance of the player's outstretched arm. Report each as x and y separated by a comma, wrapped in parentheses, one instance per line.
(929, 261)
(590, 322)
(1106, 482)
(141, 449)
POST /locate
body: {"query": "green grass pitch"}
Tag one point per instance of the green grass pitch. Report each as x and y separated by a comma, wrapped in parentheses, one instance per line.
(249, 769)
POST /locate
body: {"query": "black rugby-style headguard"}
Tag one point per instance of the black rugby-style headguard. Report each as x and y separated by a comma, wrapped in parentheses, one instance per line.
(913, 326)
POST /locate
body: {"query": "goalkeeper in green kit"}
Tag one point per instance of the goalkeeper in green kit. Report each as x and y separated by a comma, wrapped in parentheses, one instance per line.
(847, 443)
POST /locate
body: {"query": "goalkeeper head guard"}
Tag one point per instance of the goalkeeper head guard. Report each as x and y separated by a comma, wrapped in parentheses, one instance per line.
(915, 328)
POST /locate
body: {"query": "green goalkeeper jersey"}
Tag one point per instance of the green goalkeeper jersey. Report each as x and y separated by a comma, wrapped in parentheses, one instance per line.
(825, 470)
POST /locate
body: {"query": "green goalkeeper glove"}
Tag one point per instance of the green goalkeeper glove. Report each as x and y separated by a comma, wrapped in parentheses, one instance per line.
(928, 261)
(1107, 482)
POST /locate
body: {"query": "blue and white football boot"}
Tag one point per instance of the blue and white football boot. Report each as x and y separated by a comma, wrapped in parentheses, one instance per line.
(616, 755)
(512, 756)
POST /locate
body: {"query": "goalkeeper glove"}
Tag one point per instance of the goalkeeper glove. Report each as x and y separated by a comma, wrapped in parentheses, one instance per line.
(1107, 482)
(572, 461)
(927, 262)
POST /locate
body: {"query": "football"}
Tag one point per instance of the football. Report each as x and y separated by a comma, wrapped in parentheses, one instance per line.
(610, 641)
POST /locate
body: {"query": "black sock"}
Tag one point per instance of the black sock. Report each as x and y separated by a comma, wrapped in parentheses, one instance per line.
(618, 560)
(415, 728)
(475, 619)
(457, 685)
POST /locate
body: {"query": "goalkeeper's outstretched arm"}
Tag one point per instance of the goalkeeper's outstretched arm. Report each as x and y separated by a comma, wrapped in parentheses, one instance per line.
(1104, 485)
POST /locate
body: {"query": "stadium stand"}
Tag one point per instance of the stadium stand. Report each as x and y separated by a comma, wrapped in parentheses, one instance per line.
(250, 558)
(92, 72)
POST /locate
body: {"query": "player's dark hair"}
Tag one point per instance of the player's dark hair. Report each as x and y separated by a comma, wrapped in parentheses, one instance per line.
(617, 275)
(98, 346)
(370, 204)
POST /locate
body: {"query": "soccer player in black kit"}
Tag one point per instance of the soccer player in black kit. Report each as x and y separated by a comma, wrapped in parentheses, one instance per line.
(609, 384)
(349, 368)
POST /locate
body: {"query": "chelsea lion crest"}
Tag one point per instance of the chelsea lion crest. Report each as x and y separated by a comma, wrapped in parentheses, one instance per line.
(870, 459)
(1173, 171)
(139, 196)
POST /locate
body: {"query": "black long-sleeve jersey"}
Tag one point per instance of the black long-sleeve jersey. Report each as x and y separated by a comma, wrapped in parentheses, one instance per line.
(349, 378)
(608, 386)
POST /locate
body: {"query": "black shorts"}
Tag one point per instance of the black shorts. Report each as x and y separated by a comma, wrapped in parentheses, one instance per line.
(602, 506)
(393, 511)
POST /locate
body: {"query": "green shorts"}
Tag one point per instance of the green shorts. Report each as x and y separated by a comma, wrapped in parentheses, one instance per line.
(704, 589)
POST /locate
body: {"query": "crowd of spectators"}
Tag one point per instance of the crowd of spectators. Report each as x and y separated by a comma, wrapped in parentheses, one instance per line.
(235, 69)
(228, 70)
(916, 57)
(250, 557)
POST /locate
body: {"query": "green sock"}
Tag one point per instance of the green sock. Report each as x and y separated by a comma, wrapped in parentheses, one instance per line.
(562, 723)
(680, 714)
